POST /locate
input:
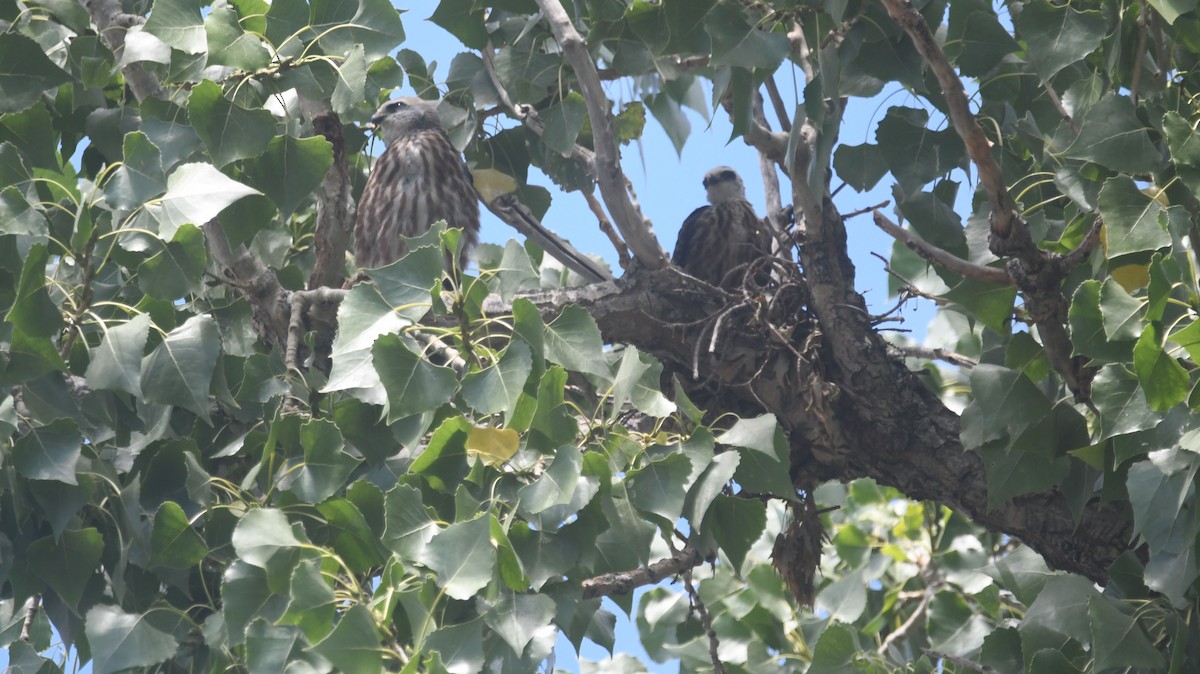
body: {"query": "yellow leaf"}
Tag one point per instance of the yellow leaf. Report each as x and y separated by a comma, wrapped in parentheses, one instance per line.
(492, 183)
(1132, 276)
(494, 445)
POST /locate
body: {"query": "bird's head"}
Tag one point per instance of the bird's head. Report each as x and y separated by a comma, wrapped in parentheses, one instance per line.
(724, 184)
(401, 117)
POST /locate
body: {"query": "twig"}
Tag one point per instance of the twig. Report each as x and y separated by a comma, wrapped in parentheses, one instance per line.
(939, 257)
(1138, 54)
(978, 146)
(781, 110)
(902, 630)
(606, 227)
(1058, 105)
(706, 621)
(31, 609)
(624, 582)
(868, 209)
(1076, 256)
(611, 179)
(937, 354)
(453, 358)
(518, 216)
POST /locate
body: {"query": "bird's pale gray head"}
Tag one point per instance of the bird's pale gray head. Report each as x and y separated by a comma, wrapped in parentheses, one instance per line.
(724, 184)
(405, 116)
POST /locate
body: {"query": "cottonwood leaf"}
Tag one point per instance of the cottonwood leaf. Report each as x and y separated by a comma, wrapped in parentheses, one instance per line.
(121, 641)
(180, 369)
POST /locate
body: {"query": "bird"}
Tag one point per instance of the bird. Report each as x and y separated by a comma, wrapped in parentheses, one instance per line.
(718, 239)
(419, 179)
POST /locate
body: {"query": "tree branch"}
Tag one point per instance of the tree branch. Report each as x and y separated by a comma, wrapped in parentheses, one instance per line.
(936, 354)
(335, 206)
(1003, 216)
(624, 582)
(936, 256)
(112, 24)
(518, 216)
(634, 227)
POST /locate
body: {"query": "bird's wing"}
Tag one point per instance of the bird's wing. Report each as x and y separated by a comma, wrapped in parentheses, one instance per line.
(683, 244)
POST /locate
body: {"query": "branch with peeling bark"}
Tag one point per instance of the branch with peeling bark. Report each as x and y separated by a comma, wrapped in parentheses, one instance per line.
(335, 205)
(112, 23)
(634, 227)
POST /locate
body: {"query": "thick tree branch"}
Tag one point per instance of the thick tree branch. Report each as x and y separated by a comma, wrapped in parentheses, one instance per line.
(634, 227)
(854, 416)
(269, 302)
(112, 24)
(936, 256)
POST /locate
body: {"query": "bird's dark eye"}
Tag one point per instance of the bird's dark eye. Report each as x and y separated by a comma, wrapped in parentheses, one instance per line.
(727, 175)
(396, 105)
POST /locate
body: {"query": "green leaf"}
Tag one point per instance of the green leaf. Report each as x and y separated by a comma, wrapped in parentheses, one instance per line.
(1088, 333)
(708, 486)
(289, 170)
(573, 341)
(353, 645)
(497, 388)
(1182, 139)
(1111, 135)
(406, 283)
(348, 532)
(33, 312)
(140, 176)
(1122, 313)
(66, 565)
(845, 598)
(18, 216)
(736, 41)
(180, 369)
(229, 131)
(976, 40)
(116, 362)
(349, 92)
(1118, 639)
(1006, 403)
(1172, 9)
(1062, 606)
(860, 166)
(1011, 472)
(1122, 403)
(518, 617)
(659, 486)
(49, 452)
(374, 24)
(25, 72)
(121, 640)
(408, 527)
(245, 596)
(178, 269)
(229, 45)
(312, 604)
(462, 556)
(556, 485)
(1057, 35)
(196, 193)
(1164, 381)
(326, 465)
(460, 646)
(736, 523)
(179, 24)
(174, 544)
(914, 154)
(261, 534)
(362, 317)
(413, 385)
(563, 123)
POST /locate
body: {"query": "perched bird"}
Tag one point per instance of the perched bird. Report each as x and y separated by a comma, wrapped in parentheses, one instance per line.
(716, 240)
(419, 179)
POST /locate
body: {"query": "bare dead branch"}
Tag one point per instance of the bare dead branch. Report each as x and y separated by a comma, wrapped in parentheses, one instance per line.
(800, 51)
(634, 226)
(624, 582)
(902, 631)
(31, 609)
(934, 255)
(1003, 214)
(606, 227)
